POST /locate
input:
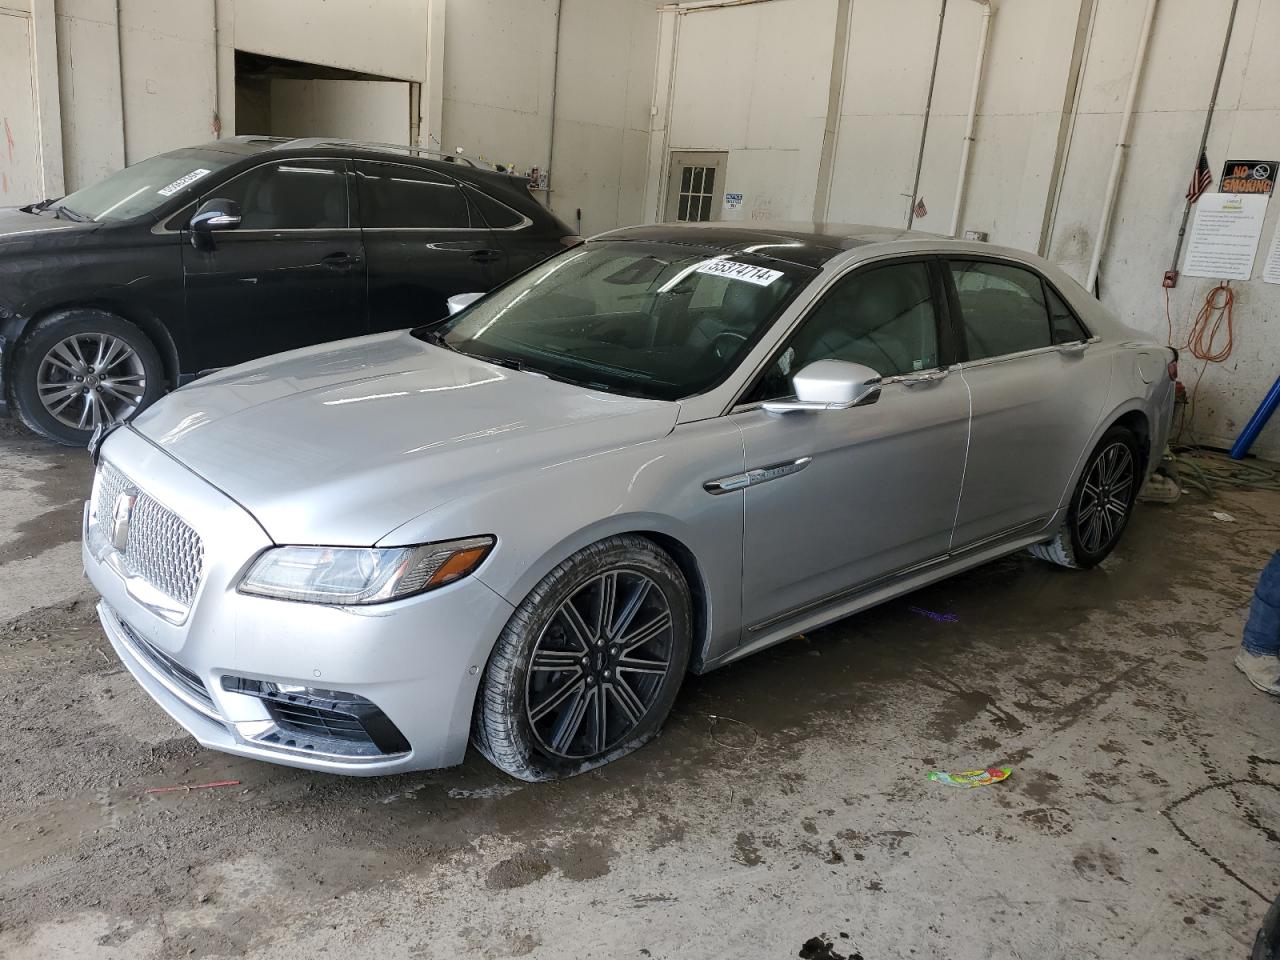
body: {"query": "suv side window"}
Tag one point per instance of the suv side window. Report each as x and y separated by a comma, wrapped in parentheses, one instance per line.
(496, 213)
(394, 195)
(1003, 307)
(291, 195)
(882, 317)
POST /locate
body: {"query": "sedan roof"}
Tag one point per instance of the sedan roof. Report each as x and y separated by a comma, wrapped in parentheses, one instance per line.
(808, 244)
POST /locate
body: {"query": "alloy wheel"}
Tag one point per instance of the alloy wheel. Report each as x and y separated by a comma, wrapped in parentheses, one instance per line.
(89, 379)
(599, 665)
(1105, 497)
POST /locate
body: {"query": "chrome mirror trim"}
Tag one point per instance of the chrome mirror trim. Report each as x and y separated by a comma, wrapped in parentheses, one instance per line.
(864, 399)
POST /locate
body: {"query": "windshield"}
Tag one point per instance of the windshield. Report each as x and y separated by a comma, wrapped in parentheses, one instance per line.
(143, 187)
(656, 320)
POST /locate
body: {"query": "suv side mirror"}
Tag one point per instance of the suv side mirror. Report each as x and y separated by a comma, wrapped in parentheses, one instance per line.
(215, 214)
(460, 301)
(830, 385)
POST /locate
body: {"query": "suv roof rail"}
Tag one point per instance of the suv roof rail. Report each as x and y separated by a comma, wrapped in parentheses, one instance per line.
(304, 142)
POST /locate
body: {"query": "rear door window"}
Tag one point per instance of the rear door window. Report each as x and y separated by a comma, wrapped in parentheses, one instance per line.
(397, 196)
(1003, 307)
(1066, 328)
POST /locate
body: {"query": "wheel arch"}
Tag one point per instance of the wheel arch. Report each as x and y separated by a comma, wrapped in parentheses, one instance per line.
(1130, 414)
(151, 327)
(663, 531)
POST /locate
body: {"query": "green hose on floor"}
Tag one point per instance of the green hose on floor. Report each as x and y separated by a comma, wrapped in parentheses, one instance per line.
(1204, 470)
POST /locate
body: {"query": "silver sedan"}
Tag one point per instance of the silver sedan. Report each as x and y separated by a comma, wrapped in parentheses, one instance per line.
(660, 451)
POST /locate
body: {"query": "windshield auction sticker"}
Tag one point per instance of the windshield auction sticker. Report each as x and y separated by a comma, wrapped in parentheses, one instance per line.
(740, 271)
(181, 182)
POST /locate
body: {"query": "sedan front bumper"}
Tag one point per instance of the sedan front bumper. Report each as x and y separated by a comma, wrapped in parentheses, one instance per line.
(369, 690)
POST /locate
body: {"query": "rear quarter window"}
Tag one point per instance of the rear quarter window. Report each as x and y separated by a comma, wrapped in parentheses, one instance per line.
(496, 213)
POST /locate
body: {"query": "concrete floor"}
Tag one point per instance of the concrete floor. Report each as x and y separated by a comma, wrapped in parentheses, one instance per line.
(786, 801)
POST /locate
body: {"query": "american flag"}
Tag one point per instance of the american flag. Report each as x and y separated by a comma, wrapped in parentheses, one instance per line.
(1200, 180)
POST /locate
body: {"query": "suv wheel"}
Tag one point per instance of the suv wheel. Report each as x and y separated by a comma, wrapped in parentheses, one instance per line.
(1101, 504)
(589, 664)
(81, 368)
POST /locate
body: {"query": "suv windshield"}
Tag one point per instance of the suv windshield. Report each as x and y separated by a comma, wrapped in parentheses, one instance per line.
(656, 320)
(141, 188)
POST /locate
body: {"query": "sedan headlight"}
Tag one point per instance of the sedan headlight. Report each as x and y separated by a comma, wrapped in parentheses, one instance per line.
(347, 575)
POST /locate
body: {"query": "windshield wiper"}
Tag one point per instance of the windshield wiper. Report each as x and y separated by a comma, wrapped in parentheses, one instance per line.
(66, 213)
(435, 339)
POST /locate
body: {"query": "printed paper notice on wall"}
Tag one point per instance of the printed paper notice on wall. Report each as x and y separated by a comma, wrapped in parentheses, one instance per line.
(1271, 269)
(1224, 238)
(760, 276)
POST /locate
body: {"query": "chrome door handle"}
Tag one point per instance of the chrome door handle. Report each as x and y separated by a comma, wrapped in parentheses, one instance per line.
(932, 377)
(1074, 349)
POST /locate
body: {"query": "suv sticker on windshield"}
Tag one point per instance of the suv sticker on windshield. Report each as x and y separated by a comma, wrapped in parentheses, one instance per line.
(181, 182)
(760, 276)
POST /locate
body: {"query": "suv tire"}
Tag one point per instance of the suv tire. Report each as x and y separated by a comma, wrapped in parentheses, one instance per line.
(79, 367)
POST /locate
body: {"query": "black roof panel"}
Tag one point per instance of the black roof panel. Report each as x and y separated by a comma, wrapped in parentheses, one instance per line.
(807, 244)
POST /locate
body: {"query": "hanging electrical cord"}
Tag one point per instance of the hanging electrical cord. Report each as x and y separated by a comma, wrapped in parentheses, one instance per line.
(1202, 340)
(1217, 310)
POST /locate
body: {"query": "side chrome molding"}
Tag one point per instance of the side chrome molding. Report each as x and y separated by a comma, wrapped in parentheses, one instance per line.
(740, 481)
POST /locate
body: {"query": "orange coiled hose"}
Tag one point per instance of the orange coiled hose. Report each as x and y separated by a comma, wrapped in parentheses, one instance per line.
(1215, 313)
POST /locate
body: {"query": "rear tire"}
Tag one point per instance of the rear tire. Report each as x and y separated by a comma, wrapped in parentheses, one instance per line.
(568, 688)
(1101, 504)
(81, 367)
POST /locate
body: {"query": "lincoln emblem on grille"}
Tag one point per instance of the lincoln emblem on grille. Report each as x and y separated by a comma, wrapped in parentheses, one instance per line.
(121, 514)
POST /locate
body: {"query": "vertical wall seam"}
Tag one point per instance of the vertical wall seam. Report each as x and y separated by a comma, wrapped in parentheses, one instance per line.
(835, 109)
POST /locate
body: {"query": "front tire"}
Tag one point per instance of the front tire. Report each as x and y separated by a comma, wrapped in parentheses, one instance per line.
(588, 666)
(81, 368)
(1101, 505)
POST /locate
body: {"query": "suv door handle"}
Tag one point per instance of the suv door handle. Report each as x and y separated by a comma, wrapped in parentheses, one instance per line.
(931, 377)
(486, 256)
(340, 261)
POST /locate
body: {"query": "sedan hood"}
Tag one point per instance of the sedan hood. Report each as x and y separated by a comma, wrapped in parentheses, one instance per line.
(342, 443)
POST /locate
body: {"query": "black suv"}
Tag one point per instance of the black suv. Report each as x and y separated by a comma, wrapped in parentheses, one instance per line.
(212, 255)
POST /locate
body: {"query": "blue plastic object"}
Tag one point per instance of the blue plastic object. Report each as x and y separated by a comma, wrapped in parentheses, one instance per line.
(1257, 422)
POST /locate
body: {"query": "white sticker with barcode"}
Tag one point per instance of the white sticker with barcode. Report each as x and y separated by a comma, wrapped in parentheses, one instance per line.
(181, 182)
(760, 276)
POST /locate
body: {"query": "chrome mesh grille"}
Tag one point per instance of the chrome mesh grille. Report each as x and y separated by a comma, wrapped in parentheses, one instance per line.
(161, 548)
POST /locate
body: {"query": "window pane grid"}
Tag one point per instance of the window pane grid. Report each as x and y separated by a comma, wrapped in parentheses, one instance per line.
(697, 192)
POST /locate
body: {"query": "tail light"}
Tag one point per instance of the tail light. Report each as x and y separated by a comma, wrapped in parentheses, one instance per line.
(1173, 365)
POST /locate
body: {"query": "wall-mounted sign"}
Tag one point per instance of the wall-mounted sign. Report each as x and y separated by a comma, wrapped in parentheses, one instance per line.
(1224, 237)
(1271, 269)
(1248, 176)
(732, 201)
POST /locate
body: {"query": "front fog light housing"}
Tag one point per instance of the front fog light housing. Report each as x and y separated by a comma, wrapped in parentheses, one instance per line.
(357, 575)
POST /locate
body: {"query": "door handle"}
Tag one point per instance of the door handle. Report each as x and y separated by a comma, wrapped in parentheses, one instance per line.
(486, 256)
(340, 261)
(1074, 349)
(931, 377)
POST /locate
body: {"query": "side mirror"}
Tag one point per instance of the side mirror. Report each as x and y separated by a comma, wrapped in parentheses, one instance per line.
(830, 385)
(460, 301)
(215, 214)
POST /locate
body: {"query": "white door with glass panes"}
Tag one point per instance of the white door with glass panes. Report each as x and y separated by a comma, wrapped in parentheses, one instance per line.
(695, 187)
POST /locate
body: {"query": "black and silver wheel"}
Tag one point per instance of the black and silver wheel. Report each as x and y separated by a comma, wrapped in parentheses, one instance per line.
(1101, 504)
(82, 368)
(589, 664)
